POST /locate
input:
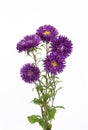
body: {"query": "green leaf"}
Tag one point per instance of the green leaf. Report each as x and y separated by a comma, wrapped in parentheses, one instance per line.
(43, 45)
(39, 60)
(56, 77)
(39, 88)
(37, 119)
(53, 112)
(50, 112)
(33, 119)
(44, 76)
(58, 89)
(37, 101)
(51, 84)
(38, 48)
(40, 81)
(59, 107)
(46, 96)
(57, 81)
(42, 123)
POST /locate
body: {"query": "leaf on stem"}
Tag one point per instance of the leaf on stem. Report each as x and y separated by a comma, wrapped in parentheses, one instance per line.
(44, 76)
(33, 118)
(58, 89)
(38, 101)
(39, 88)
(50, 112)
(59, 107)
(46, 96)
(36, 119)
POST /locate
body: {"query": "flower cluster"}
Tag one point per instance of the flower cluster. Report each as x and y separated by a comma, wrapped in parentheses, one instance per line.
(57, 48)
(54, 62)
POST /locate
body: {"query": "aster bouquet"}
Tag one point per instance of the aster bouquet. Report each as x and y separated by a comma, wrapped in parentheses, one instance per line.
(47, 53)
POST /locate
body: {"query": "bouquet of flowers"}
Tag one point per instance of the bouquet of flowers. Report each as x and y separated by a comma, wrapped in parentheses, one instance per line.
(48, 52)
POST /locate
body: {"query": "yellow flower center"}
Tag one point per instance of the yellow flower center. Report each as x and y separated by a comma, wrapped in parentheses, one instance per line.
(54, 63)
(46, 32)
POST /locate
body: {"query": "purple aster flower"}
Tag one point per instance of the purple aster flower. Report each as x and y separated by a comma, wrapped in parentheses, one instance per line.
(21, 46)
(54, 63)
(30, 73)
(28, 42)
(47, 33)
(62, 45)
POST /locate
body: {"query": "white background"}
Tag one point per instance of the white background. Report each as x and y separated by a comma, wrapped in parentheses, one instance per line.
(21, 17)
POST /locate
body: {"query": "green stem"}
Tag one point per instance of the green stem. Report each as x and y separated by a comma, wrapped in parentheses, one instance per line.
(44, 106)
(46, 84)
(42, 109)
(54, 88)
(34, 56)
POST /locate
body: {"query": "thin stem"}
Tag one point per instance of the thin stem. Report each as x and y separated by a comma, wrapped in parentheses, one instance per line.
(46, 84)
(42, 107)
(47, 49)
(34, 56)
(54, 88)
